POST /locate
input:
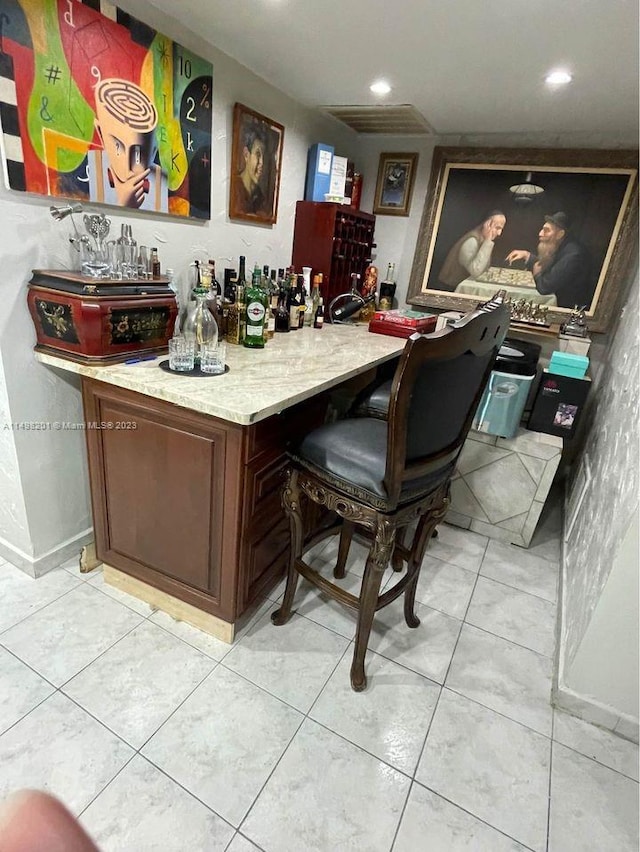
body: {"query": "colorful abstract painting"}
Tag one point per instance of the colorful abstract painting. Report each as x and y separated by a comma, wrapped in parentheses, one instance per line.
(97, 106)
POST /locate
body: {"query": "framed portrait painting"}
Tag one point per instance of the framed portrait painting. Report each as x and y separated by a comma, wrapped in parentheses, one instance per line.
(553, 227)
(394, 187)
(256, 161)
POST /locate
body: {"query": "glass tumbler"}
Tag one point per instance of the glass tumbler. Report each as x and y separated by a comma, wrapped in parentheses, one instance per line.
(213, 358)
(181, 354)
(95, 260)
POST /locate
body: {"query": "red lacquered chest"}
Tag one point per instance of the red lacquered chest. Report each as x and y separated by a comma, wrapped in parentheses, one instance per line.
(100, 320)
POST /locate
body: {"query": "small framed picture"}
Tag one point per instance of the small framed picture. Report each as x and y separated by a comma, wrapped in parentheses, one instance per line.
(256, 160)
(396, 176)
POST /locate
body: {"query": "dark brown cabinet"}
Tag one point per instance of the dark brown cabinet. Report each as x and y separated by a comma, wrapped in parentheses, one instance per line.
(188, 503)
(335, 240)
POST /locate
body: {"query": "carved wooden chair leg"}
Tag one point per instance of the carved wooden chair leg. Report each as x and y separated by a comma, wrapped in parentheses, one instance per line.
(291, 503)
(397, 562)
(377, 562)
(422, 536)
(346, 534)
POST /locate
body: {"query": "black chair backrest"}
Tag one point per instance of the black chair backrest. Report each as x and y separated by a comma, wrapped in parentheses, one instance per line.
(436, 389)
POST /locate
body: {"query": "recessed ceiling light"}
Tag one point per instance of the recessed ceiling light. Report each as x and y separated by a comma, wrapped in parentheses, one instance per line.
(558, 78)
(380, 87)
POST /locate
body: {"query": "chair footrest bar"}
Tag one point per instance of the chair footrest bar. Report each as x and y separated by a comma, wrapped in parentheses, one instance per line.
(326, 586)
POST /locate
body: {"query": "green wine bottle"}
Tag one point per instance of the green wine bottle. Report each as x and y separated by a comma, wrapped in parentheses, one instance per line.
(256, 300)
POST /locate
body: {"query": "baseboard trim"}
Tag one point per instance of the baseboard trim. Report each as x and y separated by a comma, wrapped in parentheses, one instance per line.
(173, 606)
(37, 566)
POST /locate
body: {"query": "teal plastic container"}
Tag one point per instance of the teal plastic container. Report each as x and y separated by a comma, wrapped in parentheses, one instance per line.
(567, 364)
(502, 404)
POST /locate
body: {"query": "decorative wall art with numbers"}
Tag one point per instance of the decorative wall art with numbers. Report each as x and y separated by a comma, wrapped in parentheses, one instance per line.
(97, 106)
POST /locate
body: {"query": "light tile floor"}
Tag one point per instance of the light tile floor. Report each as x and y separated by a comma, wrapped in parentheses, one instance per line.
(160, 737)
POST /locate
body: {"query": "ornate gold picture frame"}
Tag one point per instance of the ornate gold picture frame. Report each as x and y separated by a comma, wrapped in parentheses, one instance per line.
(498, 218)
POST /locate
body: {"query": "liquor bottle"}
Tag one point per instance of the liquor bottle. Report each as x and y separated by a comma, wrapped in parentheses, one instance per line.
(176, 292)
(282, 313)
(240, 297)
(230, 278)
(232, 318)
(293, 305)
(356, 195)
(205, 276)
(369, 287)
(255, 312)
(347, 310)
(315, 300)
(155, 263)
(242, 271)
(242, 312)
(318, 317)
(271, 314)
(388, 289)
(215, 284)
(302, 302)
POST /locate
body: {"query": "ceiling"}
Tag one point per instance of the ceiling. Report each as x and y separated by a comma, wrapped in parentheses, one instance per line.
(468, 67)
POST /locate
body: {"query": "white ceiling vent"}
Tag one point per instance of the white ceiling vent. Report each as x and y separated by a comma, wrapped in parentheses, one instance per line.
(398, 120)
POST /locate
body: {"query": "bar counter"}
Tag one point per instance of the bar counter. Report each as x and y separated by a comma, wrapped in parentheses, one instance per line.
(291, 368)
(186, 493)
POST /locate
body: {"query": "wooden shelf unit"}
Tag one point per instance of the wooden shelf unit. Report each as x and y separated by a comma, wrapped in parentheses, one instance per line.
(335, 240)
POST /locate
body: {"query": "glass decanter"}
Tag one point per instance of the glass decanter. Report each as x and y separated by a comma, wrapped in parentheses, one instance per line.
(200, 324)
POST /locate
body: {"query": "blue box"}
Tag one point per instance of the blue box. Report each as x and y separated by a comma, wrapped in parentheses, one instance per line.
(319, 162)
(568, 364)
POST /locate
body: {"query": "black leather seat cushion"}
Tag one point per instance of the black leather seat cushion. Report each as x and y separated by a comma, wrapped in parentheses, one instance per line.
(376, 404)
(354, 453)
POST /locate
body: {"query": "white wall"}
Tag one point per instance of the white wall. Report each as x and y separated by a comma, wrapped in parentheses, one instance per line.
(591, 608)
(13, 513)
(396, 235)
(605, 666)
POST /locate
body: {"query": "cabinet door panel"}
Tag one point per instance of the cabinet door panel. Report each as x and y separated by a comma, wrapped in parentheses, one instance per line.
(165, 511)
(162, 498)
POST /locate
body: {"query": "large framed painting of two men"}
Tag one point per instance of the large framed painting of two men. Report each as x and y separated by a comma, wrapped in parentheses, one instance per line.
(553, 228)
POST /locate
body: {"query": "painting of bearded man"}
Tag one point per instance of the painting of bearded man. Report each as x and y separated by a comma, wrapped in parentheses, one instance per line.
(561, 266)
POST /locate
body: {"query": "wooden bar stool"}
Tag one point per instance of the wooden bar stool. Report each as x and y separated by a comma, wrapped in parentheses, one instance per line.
(382, 475)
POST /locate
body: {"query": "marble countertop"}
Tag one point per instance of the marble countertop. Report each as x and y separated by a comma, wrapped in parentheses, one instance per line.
(260, 382)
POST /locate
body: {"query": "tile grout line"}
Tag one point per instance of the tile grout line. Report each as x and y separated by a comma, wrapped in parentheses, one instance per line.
(549, 784)
(138, 751)
(108, 784)
(475, 816)
(511, 641)
(40, 608)
(186, 790)
(402, 813)
(101, 654)
(446, 675)
(305, 718)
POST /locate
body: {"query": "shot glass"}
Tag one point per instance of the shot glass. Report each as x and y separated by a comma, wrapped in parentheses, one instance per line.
(181, 354)
(213, 358)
